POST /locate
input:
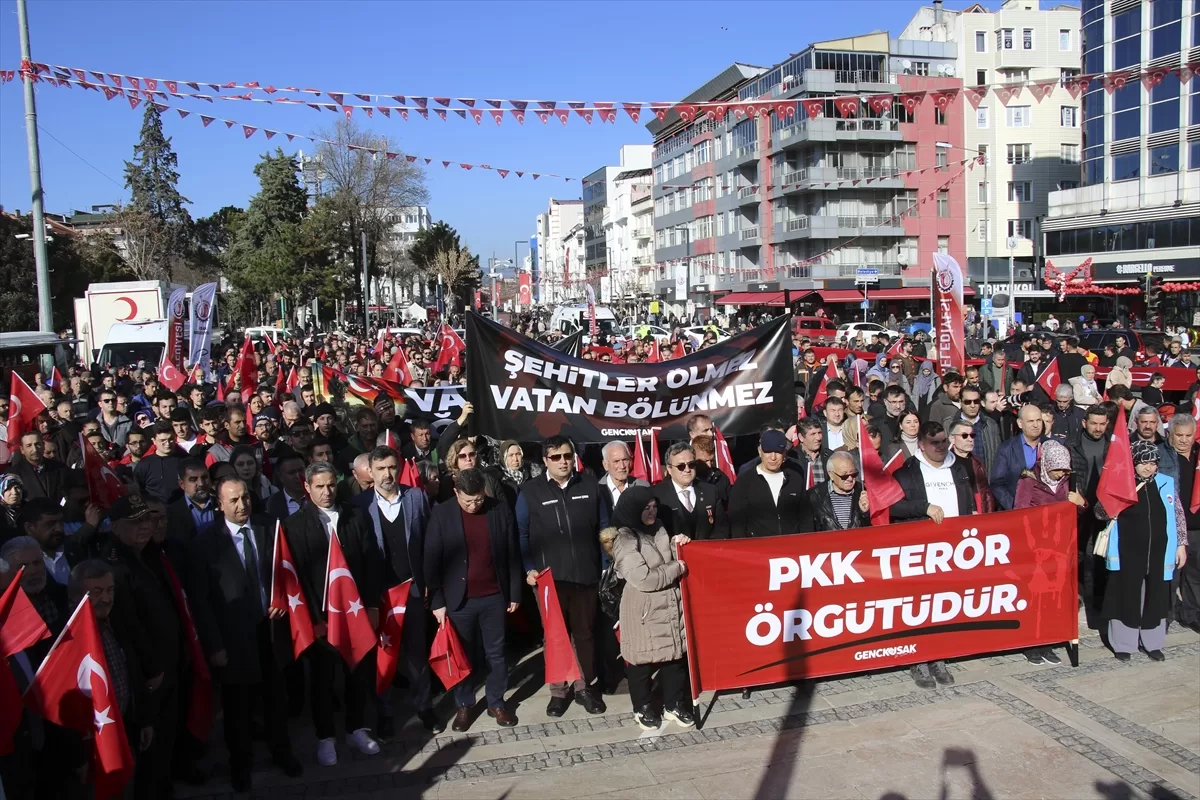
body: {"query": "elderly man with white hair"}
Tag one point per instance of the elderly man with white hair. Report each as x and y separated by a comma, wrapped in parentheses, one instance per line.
(617, 461)
(1068, 417)
(840, 503)
(1181, 438)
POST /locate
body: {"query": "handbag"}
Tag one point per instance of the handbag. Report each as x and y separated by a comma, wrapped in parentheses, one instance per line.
(447, 658)
(612, 587)
(1101, 546)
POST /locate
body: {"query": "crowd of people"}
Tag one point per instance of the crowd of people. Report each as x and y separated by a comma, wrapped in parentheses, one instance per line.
(473, 522)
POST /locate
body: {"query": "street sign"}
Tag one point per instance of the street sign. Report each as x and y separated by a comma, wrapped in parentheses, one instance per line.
(985, 306)
(866, 275)
(767, 286)
(864, 305)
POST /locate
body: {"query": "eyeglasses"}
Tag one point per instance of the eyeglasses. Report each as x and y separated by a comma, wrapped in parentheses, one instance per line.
(107, 400)
(686, 466)
(970, 402)
(465, 456)
(965, 435)
(849, 476)
(556, 457)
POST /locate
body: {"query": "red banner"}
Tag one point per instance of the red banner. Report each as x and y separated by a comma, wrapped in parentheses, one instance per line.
(948, 313)
(776, 609)
(524, 290)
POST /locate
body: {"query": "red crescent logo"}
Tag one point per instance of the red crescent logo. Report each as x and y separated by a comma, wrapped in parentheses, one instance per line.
(169, 373)
(132, 308)
(14, 407)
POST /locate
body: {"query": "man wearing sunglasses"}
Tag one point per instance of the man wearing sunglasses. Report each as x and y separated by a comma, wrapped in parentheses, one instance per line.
(840, 503)
(687, 506)
(963, 439)
(987, 431)
(114, 425)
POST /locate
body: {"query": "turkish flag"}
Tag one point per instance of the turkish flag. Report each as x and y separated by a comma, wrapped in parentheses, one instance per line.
(245, 367)
(75, 689)
(200, 713)
(654, 459)
(447, 658)
(452, 348)
(293, 380)
(103, 484)
(810, 481)
(881, 487)
(56, 381)
(724, 457)
(1196, 416)
(822, 393)
(397, 369)
(653, 356)
(391, 626)
(1117, 489)
(287, 594)
(21, 626)
(347, 629)
(678, 351)
(221, 389)
(640, 468)
(23, 408)
(168, 374)
(561, 663)
(894, 347)
(1050, 378)
(270, 344)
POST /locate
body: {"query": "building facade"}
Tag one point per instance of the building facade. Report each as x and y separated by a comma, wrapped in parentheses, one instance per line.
(1137, 213)
(601, 193)
(1031, 147)
(622, 281)
(550, 267)
(790, 202)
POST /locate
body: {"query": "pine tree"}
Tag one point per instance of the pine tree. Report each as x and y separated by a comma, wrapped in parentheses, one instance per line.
(156, 227)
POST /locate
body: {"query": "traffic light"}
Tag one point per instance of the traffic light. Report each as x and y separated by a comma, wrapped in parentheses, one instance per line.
(1154, 298)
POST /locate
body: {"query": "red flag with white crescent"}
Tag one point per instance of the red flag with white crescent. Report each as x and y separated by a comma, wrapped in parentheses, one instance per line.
(723, 456)
(287, 595)
(1117, 489)
(655, 460)
(397, 369)
(347, 628)
(104, 487)
(1050, 378)
(558, 654)
(452, 348)
(882, 489)
(640, 469)
(23, 408)
(200, 713)
(21, 626)
(391, 627)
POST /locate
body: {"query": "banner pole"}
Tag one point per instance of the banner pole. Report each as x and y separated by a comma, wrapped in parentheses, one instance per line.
(689, 632)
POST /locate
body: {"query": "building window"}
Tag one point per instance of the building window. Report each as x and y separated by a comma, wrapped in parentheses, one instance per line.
(921, 68)
(1165, 27)
(985, 153)
(981, 77)
(980, 41)
(1065, 75)
(1020, 192)
(939, 117)
(1127, 167)
(1164, 105)
(1164, 159)
(940, 158)
(900, 113)
(1020, 228)
(1019, 153)
(944, 245)
(983, 193)
(1127, 112)
(1127, 37)
(943, 204)
(1015, 75)
(1068, 116)
(1064, 40)
(1068, 154)
(1004, 39)
(981, 118)
(1019, 116)
(984, 234)
(1027, 39)
(1194, 146)
(1064, 185)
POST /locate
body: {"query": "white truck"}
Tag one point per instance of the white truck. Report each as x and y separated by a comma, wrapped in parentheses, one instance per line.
(104, 304)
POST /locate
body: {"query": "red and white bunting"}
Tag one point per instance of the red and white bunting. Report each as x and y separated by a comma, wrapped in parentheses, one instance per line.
(943, 99)
(1115, 80)
(634, 110)
(879, 103)
(814, 108)
(847, 106)
(1077, 86)
(1009, 91)
(911, 100)
(1042, 89)
(1153, 77)
(975, 95)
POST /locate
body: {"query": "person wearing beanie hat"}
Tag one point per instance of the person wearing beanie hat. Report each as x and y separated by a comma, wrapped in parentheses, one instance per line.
(771, 499)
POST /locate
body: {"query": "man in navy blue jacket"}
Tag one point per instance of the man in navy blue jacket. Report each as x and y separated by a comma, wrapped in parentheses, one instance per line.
(1016, 454)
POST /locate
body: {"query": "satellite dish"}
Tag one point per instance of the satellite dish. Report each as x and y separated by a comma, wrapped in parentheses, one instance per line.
(1000, 300)
(1012, 243)
(949, 69)
(906, 64)
(902, 258)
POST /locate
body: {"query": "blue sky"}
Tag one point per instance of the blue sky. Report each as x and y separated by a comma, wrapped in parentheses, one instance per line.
(563, 50)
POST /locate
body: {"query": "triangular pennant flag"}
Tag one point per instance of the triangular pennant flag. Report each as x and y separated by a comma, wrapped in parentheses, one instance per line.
(607, 112)
(465, 166)
(520, 174)
(370, 112)
(497, 115)
(846, 106)
(1185, 72)
(151, 84)
(813, 108)
(495, 103)
(135, 82)
(634, 110)
(476, 114)
(880, 103)
(1042, 89)
(544, 116)
(440, 112)
(387, 112)
(183, 114)
(1077, 86)
(975, 95)
(686, 111)
(269, 134)
(660, 110)
(442, 101)
(290, 136)
(502, 172)
(206, 120)
(403, 112)
(563, 114)
(911, 100)
(943, 99)
(337, 98)
(366, 98)
(348, 111)
(1115, 80)
(467, 101)
(133, 101)
(109, 93)
(1153, 77)
(1008, 92)
(248, 131)
(548, 105)
(399, 98)
(519, 115)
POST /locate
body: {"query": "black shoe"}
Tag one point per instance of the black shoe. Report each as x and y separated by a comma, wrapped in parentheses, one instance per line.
(941, 674)
(240, 780)
(189, 773)
(1034, 656)
(681, 716)
(1050, 657)
(430, 721)
(590, 702)
(385, 728)
(647, 718)
(557, 706)
(922, 676)
(504, 718)
(610, 689)
(1156, 655)
(1122, 656)
(745, 694)
(290, 765)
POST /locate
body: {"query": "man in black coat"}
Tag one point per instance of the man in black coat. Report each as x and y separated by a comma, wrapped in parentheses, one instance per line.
(771, 499)
(685, 505)
(229, 586)
(840, 503)
(197, 509)
(41, 477)
(706, 469)
(289, 472)
(473, 571)
(157, 475)
(308, 533)
(398, 516)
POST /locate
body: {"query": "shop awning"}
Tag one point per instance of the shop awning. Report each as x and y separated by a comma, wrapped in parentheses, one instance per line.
(911, 293)
(753, 299)
(841, 295)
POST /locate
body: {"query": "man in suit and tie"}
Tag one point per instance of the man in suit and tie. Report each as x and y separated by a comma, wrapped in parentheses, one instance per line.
(687, 506)
(229, 584)
(308, 532)
(398, 516)
(196, 511)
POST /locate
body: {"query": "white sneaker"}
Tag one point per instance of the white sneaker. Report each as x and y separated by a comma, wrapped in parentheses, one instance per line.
(326, 752)
(365, 743)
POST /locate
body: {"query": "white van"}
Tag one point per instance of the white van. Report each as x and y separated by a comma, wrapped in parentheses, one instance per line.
(267, 332)
(572, 317)
(127, 343)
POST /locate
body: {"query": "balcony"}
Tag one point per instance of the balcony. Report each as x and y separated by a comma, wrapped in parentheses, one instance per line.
(848, 222)
(746, 154)
(799, 223)
(643, 232)
(749, 235)
(747, 191)
(798, 176)
(642, 261)
(858, 76)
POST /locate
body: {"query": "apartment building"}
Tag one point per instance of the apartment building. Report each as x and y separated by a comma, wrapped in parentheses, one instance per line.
(623, 278)
(553, 234)
(600, 191)
(1031, 146)
(1137, 212)
(785, 201)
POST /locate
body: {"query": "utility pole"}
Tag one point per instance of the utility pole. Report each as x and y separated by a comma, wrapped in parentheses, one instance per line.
(366, 287)
(45, 313)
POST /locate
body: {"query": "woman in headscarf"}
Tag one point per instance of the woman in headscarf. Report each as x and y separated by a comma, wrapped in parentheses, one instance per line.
(651, 618)
(12, 498)
(1087, 393)
(1050, 479)
(1146, 544)
(925, 386)
(513, 470)
(879, 372)
(245, 464)
(1121, 374)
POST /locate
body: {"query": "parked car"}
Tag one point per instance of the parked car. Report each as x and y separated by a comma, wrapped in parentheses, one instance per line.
(815, 328)
(697, 333)
(848, 330)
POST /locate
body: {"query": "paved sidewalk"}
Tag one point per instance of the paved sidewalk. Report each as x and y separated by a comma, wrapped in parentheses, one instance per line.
(1006, 729)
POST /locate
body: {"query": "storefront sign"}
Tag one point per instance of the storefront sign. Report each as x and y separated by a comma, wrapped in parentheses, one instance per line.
(1137, 268)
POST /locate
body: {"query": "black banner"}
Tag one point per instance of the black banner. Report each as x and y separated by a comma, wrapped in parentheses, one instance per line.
(433, 403)
(525, 390)
(571, 344)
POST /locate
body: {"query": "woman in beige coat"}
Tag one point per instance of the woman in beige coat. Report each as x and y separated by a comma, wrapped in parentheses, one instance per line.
(651, 619)
(1084, 387)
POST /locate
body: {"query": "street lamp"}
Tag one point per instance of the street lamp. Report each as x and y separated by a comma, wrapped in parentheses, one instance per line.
(987, 224)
